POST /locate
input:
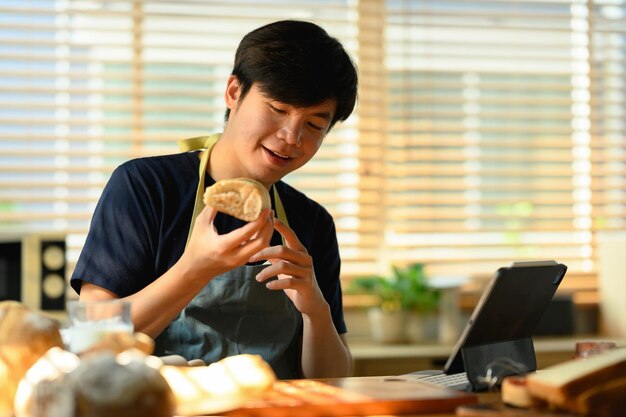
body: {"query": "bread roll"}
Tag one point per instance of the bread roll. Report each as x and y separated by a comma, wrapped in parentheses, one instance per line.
(243, 198)
(25, 336)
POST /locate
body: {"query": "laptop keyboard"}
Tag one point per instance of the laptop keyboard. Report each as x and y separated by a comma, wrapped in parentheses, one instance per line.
(451, 381)
(459, 381)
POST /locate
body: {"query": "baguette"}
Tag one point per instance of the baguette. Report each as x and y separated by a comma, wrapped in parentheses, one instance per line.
(243, 198)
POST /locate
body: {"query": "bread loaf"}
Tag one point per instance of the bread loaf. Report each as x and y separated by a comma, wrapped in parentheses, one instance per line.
(578, 384)
(515, 392)
(102, 386)
(604, 400)
(105, 387)
(39, 386)
(62, 384)
(25, 336)
(243, 198)
(221, 386)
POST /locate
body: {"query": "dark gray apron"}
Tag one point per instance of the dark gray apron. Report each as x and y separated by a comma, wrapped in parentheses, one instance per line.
(235, 314)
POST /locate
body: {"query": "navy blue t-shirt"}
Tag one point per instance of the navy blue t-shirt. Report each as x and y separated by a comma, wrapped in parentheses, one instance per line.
(139, 228)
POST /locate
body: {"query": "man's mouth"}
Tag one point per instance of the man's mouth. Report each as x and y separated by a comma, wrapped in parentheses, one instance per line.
(278, 155)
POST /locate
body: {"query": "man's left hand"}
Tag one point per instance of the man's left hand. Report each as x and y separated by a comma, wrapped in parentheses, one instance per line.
(293, 266)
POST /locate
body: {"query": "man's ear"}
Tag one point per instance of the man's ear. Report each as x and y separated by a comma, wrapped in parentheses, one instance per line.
(232, 93)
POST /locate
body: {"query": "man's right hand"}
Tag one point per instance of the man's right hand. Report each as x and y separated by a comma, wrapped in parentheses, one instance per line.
(209, 254)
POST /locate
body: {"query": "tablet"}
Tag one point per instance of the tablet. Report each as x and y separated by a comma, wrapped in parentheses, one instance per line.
(510, 308)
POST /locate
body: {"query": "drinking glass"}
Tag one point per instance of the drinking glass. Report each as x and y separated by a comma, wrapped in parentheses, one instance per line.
(91, 321)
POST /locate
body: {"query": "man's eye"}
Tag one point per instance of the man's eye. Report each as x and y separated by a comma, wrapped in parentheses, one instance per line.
(316, 127)
(277, 110)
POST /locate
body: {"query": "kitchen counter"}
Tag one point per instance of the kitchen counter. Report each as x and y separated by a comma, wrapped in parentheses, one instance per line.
(395, 359)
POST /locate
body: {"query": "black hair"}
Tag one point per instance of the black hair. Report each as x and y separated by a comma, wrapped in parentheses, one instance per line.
(297, 63)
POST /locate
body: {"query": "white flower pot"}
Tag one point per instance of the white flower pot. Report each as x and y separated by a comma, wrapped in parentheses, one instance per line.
(422, 327)
(387, 327)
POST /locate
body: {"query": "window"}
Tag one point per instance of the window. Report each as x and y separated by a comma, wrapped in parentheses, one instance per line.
(486, 131)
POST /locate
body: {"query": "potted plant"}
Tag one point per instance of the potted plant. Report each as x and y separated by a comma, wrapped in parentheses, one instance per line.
(421, 302)
(402, 298)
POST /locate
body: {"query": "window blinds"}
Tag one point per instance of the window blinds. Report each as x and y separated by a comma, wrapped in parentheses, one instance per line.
(483, 129)
(485, 132)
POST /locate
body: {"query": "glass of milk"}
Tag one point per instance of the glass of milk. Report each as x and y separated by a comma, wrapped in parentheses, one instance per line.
(90, 321)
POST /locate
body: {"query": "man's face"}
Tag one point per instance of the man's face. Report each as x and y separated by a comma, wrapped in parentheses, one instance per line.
(271, 138)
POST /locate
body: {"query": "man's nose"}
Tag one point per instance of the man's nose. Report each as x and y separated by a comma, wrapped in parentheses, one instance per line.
(291, 133)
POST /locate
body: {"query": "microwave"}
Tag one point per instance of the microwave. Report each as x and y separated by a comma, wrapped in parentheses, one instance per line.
(33, 271)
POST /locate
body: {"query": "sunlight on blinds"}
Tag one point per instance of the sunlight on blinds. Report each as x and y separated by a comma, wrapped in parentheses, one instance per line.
(608, 115)
(488, 134)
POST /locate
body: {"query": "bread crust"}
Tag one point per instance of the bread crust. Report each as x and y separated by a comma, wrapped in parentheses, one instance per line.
(243, 198)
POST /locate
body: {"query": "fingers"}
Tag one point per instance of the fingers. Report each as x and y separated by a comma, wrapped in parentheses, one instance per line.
(206, 216)
(291, 240)
(280, 255)
(292, 259)
(257, 231)
(283, 269)
(282, 284)
(255, 243)
(292, 251)
(233, 248)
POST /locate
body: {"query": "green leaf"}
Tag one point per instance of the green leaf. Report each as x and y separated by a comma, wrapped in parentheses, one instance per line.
(406, 288)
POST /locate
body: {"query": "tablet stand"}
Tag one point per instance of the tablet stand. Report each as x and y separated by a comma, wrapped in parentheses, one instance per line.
(509, 357)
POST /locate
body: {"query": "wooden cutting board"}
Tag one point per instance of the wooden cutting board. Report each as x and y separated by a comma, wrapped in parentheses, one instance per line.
(357, 396)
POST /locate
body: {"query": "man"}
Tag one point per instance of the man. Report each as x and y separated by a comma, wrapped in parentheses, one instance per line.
(212, 294)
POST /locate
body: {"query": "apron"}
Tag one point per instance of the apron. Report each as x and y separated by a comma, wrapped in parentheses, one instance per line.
(234, 314)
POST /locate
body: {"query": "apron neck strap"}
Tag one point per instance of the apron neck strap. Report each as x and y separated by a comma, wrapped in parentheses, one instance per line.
(206, 143)
(194, 144)
(280, 209)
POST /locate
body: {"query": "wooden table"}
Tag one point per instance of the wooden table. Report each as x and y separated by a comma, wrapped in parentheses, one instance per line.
(356, 396)
(378, 404)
